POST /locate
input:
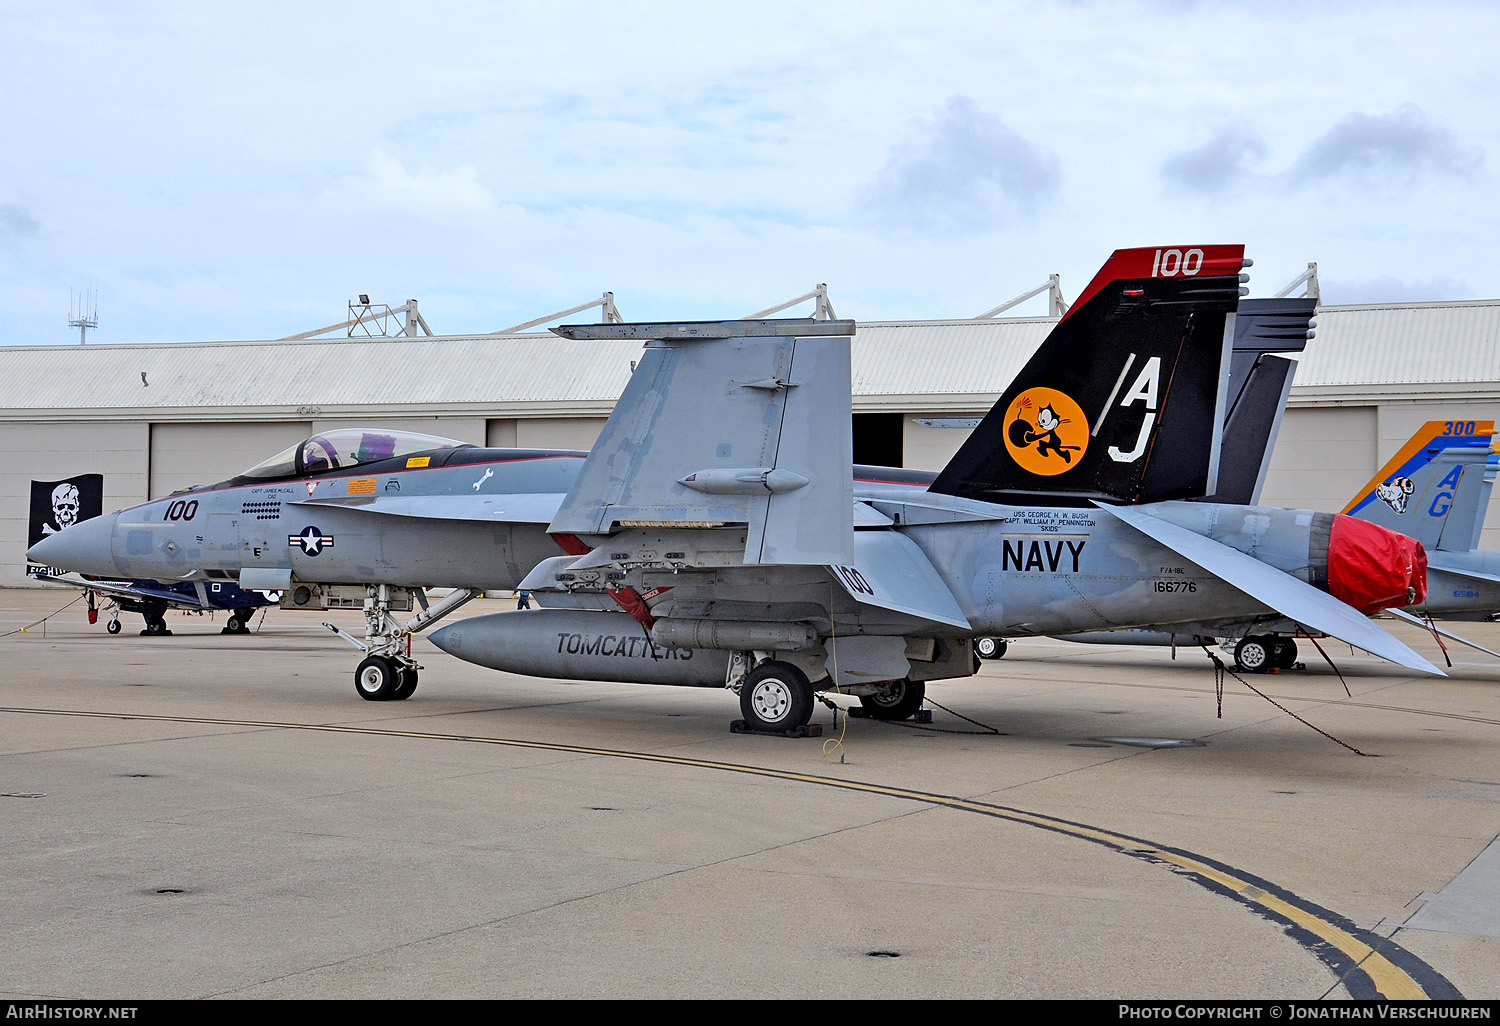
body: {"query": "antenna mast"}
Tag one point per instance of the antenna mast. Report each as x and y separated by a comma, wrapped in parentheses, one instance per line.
(83, 312)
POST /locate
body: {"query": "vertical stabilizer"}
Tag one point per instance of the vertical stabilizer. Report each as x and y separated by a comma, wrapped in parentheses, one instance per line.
(1125, 398)
(727, 423)
(1260, 379)
(1435, 489)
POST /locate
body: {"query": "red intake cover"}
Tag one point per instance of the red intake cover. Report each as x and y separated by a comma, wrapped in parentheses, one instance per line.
(1372, 568)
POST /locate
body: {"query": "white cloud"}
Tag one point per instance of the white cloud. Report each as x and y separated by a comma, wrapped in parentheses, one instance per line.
(386, 186)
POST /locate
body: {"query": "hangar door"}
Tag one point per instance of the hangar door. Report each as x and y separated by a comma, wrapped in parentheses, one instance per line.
(183, 455)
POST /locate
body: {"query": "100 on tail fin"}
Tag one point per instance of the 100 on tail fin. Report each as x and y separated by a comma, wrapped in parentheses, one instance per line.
(1124, 399)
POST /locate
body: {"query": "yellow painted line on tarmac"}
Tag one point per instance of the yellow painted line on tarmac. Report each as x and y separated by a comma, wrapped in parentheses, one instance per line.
(1387, 979)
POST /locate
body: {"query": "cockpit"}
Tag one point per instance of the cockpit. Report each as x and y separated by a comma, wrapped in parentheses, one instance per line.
(344, 448)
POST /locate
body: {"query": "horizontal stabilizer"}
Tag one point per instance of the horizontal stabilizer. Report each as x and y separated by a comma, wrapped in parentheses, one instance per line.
(1474, 575)
(520, 507)
(1294, 599)
(890, 571)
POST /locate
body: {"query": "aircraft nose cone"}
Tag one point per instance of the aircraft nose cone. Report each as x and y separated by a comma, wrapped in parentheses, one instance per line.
(84, 547)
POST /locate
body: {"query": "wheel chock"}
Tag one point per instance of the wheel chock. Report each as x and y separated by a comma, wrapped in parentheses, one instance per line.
(806, 730)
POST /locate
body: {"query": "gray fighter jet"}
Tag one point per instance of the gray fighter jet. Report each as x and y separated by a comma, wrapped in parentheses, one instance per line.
(717, 536)
(354, 518)
(369, 519)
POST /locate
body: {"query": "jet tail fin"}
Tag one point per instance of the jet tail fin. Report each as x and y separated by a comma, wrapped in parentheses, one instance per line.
(727, 423)
(1260, 379)
(1124, 399)
(1436, 488)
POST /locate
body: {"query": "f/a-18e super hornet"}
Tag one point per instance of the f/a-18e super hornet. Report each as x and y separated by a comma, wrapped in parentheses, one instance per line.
(351, 518)
(368, 518)
(716, 535)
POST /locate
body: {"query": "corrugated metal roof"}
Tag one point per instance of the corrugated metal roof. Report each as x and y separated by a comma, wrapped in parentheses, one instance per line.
(1394, 344)
(931, 366)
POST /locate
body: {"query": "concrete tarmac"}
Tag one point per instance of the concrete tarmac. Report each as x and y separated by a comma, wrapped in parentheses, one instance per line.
(206, 815)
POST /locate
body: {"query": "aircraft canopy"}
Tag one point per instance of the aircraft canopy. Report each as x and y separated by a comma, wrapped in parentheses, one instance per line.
(344, 448)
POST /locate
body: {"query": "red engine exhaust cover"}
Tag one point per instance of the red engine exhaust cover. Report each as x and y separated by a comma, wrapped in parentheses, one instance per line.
(1372, 568)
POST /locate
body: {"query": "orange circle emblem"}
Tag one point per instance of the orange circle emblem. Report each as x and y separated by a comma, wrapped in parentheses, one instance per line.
(1046, 431)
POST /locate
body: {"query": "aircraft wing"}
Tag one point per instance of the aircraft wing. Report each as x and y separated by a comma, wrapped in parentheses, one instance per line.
(519, 507)
(1294, 599)
(129, 590)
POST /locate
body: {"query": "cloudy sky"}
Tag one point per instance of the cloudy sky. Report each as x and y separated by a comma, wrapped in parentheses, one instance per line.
(223, 171)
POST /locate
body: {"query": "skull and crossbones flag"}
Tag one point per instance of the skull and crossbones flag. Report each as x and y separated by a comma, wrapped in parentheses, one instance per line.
(59, 504)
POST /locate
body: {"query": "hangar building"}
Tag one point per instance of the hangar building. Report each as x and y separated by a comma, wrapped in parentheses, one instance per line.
(152, 418)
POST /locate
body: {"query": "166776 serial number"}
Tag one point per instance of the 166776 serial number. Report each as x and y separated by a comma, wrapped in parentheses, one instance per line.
(1174, 586)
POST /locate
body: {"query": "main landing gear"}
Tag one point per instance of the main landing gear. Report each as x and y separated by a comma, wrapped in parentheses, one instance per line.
(777, 698)
(239, 621)
(896, 700)
(388, 672)
(1263, 652)
(990, 648)
(154, 613)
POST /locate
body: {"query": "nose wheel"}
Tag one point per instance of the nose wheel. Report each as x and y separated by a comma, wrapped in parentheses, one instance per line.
(380, 679)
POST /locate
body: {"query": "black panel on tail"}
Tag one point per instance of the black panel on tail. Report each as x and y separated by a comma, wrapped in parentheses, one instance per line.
(1122, 400)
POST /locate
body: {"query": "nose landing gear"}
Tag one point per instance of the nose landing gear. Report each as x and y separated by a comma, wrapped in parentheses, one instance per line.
(388, 672)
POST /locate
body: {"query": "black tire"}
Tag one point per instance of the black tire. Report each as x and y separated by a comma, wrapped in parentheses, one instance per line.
(777, 697)
(899, 701)
(990, 648)
(156, 625)
(1253, 654)
(113, 626)
(377, 679)
(1286, 654)
(234, 625)
(408, 684)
